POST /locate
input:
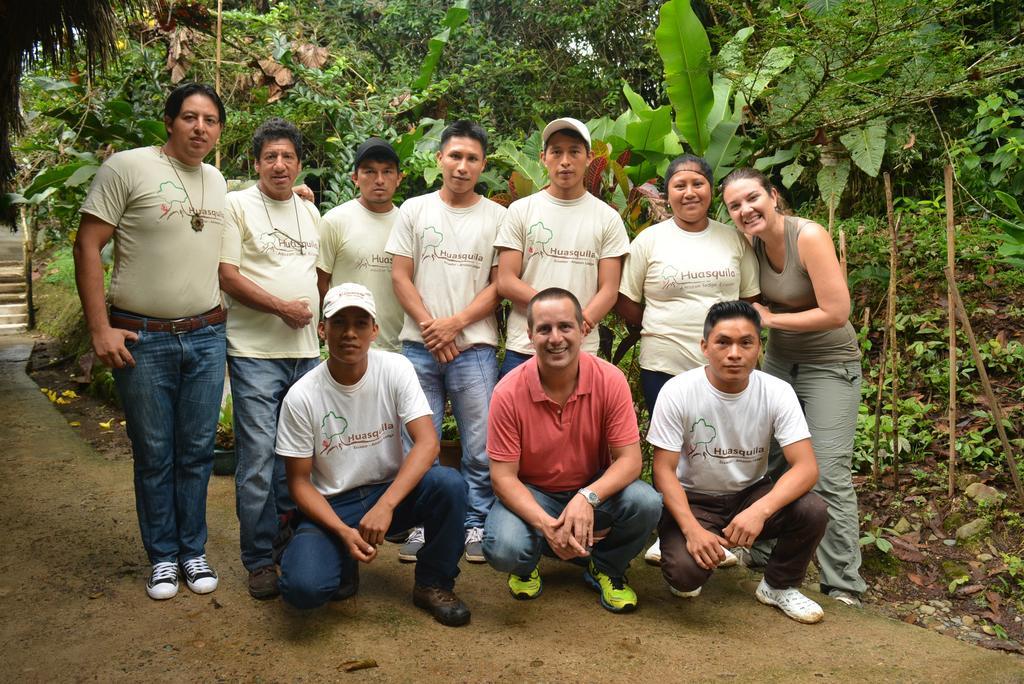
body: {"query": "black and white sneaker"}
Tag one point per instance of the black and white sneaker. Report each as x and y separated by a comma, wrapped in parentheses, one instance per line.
(199, 576)
(163, 581)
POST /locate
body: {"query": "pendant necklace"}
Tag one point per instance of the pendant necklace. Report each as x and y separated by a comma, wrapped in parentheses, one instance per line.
(197, 221)
(298, 226)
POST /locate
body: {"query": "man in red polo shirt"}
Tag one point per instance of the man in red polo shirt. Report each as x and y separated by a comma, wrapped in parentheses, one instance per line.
(565, 457)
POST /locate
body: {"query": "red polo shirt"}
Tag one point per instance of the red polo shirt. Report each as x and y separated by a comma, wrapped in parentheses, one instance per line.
(561, 448)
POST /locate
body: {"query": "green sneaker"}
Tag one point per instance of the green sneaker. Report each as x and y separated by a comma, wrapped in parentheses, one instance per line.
(526, 588)
(616, 595)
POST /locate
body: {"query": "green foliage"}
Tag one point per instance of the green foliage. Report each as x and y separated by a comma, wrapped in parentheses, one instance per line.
(685, 51)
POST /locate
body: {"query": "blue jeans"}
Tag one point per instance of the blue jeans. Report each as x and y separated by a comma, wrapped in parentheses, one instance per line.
(258, 387)
(316, 561)
(468, 381)
(651, 383)
(171, 402)
(512, 546)
(513, 360)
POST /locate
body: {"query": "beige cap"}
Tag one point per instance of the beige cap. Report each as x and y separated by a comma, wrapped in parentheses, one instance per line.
(348, 294)
(565, 123)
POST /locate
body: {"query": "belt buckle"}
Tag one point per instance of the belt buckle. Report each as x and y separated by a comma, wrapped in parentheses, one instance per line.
(184, 323)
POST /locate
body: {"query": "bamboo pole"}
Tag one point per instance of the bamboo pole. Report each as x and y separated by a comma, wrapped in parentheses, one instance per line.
(997, 411)
(884, 358)
(895, 418)
(951, 266)
(216, 73)
(889, 345)
(842, 253)
(28, 250)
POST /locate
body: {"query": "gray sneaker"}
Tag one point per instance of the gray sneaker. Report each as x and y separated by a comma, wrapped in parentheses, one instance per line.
(847, 598)
(475, 545)
(407, 553)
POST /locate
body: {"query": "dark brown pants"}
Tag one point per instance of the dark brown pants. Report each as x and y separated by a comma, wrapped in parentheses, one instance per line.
(798, 528)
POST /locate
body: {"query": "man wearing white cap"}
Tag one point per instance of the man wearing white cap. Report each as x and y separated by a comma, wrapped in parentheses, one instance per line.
(340, 434)
(561, 237)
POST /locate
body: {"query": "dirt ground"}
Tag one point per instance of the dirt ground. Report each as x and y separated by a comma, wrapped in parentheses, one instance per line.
(74, 607)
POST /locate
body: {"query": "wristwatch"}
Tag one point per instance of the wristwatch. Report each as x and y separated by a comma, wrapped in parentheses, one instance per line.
(592, 498)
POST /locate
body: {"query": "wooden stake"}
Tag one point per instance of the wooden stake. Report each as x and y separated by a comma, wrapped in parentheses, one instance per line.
(890, 311)
(883, 360)
(216, 73)
(997, 411)
(895, 417)
(842, 252)
(951, 267)
(28, 250)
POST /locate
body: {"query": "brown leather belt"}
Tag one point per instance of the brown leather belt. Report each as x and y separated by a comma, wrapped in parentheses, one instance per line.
(130, 321)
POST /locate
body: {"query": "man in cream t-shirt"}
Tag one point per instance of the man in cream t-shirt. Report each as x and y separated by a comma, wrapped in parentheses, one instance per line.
(164, 335)
(711, 431)
(340, 433)
(562, 237)
(267, 272)
(443, 248)
(353, 237)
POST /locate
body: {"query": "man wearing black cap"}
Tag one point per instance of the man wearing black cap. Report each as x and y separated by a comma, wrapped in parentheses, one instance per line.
(353, 236)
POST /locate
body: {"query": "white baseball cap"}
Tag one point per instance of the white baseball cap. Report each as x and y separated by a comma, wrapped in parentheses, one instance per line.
(563, 124)
(349, 294)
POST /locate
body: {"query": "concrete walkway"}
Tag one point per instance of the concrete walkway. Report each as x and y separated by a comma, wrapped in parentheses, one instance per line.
(74, 607)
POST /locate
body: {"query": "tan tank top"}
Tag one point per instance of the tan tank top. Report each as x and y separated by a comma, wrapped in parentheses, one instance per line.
(791, 291)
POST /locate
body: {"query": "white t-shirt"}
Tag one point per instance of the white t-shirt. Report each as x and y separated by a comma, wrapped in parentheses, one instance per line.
(452, 251)
(279, 255)
(352, 241)
(679, 275)
(723, 439)
(162, 267)
(561, 242)
(353, 433)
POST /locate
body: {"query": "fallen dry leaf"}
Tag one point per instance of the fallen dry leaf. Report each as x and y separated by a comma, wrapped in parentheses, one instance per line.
(353, 665)
(916, 579)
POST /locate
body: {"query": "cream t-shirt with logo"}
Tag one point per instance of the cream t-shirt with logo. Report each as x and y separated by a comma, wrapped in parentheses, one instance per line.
(162, 267)
(352, 242)
(279, 255)
(353, 433)
(452, 251)
(679, 275)
(723, 439)
(561, 242)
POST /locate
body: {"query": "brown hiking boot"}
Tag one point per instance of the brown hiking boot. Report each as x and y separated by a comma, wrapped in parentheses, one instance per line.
(445, 606)
(263, 582)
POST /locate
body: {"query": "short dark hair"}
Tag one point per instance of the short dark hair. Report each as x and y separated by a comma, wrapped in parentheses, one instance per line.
(724, 311)
(172, 106)
(551, 294)
(276, 128)
(677, 164)
(569, 132)
(465, 129)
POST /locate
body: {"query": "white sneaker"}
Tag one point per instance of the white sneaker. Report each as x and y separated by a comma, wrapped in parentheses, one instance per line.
(730, 559)
(845, 597)
(653, 555)
(685, 594)
(163, 581)
(791, 602)
(199, 576)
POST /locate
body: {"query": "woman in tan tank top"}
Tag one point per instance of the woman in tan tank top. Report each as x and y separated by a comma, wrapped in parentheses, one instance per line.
(813, 346)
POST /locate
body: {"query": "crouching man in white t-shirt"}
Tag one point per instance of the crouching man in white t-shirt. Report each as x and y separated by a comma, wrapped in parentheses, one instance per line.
(340, 431)
(711, 430)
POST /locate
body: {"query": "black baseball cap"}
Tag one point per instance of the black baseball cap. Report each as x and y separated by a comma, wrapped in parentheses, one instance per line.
(377, 148)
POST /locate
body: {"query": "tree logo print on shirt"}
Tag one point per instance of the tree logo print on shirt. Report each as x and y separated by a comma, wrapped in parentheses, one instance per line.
(174, 198)
(432, 239)
(332, 427)
(703, 434)
(670, 277)
(432, 249)
(540, 235)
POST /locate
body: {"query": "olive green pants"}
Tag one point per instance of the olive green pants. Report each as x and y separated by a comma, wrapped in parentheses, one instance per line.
(829, 394)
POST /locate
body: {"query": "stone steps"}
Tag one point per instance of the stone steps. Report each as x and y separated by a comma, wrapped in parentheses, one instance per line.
(13, 298)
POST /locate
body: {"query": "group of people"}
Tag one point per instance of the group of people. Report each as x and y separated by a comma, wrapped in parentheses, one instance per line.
(336, 457)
